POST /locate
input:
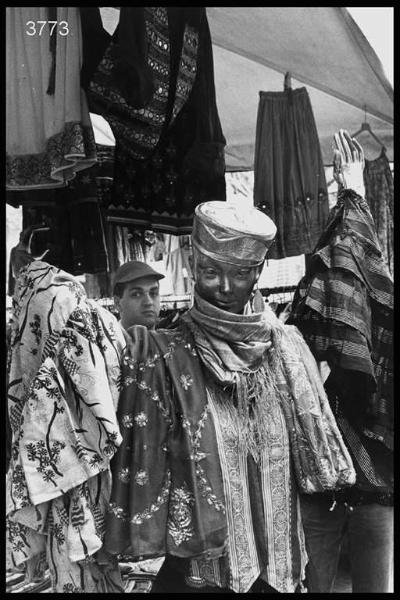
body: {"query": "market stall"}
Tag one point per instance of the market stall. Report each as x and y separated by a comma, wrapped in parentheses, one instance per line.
(127, 119)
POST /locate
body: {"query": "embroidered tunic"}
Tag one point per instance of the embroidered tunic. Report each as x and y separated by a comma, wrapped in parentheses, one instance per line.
(185, 483)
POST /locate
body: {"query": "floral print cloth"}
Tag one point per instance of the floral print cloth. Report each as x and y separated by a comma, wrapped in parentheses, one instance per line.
(63, 389)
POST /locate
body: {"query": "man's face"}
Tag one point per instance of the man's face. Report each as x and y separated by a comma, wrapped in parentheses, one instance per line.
(226, 286)
(140, 303)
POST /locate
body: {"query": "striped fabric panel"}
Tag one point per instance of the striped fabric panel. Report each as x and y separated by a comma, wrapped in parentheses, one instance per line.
(344, 305)
(341, 345)
(360, 453)
(334, 297)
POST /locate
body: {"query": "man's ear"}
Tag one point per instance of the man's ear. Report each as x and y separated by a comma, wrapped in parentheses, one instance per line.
(192, 263)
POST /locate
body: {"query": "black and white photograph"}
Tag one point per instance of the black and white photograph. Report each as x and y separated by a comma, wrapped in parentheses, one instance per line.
(199, 296)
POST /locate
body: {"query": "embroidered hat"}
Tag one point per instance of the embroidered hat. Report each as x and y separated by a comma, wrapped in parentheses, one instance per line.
(134, 269)
(230, 233)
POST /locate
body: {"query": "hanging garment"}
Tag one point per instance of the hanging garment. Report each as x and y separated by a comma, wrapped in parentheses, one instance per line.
(289, 176)
(63, 389)
(49, 135)
(378, 181)
(220, 484)
(344, 308)
(76, 237)
(174, 264)
(155, 87)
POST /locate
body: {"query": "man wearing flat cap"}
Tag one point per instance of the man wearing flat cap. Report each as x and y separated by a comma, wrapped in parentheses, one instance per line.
(137, 294)
(224, 420)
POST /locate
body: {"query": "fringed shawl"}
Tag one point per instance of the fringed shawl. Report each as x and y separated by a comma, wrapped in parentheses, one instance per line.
(233, 349)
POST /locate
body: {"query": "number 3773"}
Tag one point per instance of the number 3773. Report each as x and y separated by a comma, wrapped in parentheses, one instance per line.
(37, 27)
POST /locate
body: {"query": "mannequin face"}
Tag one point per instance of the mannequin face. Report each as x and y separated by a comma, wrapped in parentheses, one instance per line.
(139, 303)
(226, 286)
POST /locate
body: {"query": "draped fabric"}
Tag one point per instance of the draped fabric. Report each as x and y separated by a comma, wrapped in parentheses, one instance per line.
(49, 135)
(167, 493)
(289, 176)
(76, 237)
(378, 180)
(19, 257)
(63, 388)
(344, 308)
(196, 491)
(233, 348)
(155, 87)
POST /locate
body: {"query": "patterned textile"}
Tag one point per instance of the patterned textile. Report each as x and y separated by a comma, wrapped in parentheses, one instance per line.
(169, 152)
(229, 343)
(167, 492)
(76, 236)
(344, 308)
(196, 492)
(234, 353)
(49, 136)
(151, 116)
(63, 388)
(378, 181)
(237, 234)
(265, 534)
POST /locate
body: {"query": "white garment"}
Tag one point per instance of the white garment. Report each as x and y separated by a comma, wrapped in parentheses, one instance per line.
(48, 137)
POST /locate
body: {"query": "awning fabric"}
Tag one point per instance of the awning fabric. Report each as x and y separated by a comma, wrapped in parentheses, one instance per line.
(324, 50)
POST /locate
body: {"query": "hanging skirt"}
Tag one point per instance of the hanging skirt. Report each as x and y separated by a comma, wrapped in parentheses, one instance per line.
(378, 180)
(49, 136)
(289, 176)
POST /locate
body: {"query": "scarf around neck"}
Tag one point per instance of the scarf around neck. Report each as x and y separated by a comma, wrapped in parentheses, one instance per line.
(228, 343)
(251, 381)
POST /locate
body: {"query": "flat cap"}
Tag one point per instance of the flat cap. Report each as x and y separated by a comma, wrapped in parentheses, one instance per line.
(134, 269)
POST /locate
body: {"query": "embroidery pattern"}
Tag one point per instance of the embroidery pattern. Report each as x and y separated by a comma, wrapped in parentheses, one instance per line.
(186, 381)
(242, 554)
(148, 122)
(124, 475)
(127, 420)
(140, 517)
(141, 478)
(52, 165)
(275, 470)
(196, 456)
(141, 419)
(187, 69)
(179, 523)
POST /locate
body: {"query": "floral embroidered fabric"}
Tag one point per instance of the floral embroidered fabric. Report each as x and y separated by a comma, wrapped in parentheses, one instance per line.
(62, 392)
(167, 495)
(196, 491)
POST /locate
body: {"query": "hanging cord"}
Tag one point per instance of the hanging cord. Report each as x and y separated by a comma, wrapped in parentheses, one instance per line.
(52, 16)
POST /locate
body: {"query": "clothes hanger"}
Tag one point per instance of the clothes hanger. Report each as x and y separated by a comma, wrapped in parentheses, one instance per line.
(367, 127)
(287, 84)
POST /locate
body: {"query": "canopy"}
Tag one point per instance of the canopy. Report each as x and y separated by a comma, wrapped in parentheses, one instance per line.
(323, 49)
